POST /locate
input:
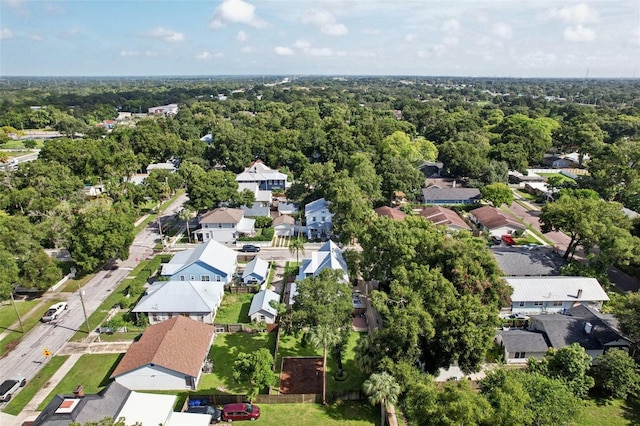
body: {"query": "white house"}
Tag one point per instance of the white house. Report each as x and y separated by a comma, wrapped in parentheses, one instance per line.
(261, 310)
(267, 178)
(262, 204)
(170, 109)
(318, 219)
(328, 256)
(284, 226)
(169, 356)
(224, 225)
(520, 345)
(256, 271)
(210, 261)
(537, 295)
(198, 300)
(493, 220)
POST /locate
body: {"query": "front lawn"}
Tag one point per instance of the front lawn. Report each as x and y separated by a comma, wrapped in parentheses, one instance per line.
(18, 402)
(527, 239)
(611, 413)
(223, 353)
(341, 413)
(92, 371)
(13, 337)
(8, 313)
(234, 309)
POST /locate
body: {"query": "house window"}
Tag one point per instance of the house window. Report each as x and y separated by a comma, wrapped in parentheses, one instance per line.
(538, 303)
(188, 381)
(313, 219)
(204, 278)
(155, 317)
(181, 277)
(521, 304)
(557, 303)
(192, 277)
(262, 318)
(218, 278)
(324, 218)
(219, 225)
(520, 355)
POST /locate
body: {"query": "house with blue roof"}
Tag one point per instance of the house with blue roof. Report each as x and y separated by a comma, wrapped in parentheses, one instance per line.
(318, 219)
(261, 309)
(210, 261)
(256, 271)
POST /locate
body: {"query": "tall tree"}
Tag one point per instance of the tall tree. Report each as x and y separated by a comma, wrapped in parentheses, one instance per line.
(498, 194)
(186, 214)
(326, 338)
(296, 246)
(616, 373)
(254, 369)
(382, 389)
(569, 364)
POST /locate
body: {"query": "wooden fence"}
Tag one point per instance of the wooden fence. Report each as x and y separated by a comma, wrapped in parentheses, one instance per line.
(292, 398)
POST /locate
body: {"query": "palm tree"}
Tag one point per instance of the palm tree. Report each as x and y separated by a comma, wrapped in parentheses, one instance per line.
(186, 214)
(325, 337)
(382, 389)
(296, 246)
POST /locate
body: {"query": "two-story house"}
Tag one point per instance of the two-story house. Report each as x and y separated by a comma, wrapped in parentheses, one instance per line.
(224, 225)
(318, 219)
(210, 261)
(267, 178)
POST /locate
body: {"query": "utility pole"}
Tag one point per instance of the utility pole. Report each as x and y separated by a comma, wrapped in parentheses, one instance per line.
(13, 301)
(84, 310)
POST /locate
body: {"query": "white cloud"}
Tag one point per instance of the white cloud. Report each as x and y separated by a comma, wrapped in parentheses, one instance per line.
(451, 41)
(242, 36)
(203, 56)
(283, 51)
(450, 26)
(6, 34)
(129, 53)
(302, 44)
(503, 31)
(572, 15)
(247, 49)
(325, 21)
(236, 12)
(36, 37)
(150, 53)
(166, 34)
(579, 33)
(410, 38)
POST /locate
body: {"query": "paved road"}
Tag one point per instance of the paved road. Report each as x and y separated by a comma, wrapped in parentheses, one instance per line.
(27, 358)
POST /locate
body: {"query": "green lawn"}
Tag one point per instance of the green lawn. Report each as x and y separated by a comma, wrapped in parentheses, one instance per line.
(34, 385)
(91, 371)
(527, 239)
(347, 413)
(610, 413)
(8, 313)
(234, 309)
(526, 195)
(223, 352)
(13, 338)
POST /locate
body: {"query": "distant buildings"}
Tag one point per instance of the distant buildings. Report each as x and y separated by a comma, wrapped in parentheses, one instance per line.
(171, 109)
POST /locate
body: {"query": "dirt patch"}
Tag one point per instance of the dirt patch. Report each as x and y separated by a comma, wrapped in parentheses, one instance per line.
(301, 375)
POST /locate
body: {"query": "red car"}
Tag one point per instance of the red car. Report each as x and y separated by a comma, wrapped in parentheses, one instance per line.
(232, 412)
(508, 239)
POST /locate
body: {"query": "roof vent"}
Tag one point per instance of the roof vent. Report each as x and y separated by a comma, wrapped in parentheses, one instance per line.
(579, 293)
(588, 327)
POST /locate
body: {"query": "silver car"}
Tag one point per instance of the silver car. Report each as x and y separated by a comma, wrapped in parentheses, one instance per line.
(54, 312)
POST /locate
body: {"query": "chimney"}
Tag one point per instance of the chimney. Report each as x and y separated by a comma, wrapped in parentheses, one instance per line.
(78, 391)
(579, 293)
(588, 327)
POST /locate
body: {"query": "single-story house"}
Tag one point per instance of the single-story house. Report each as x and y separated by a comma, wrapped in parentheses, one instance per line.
(160, 359)
(224, 225)
(541, 189)
(447, 196)
(443, 216)
(284, 226)
(531, 261)
(285, 208)
(256, 271)
(210, 261)
(267, 178)
(318, 219)
(328, 256)
(262, 204)
(536, 295)
(495, 221)
(517, 177)
(198, 300)
(519, 345)
(390, 212)
(171, 109)
(261, 310)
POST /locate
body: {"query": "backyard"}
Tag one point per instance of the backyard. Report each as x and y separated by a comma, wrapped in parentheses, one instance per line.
(234, 308)
(348, 413)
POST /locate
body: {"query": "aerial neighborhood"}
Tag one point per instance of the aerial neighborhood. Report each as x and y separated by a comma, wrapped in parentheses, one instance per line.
(353, 250)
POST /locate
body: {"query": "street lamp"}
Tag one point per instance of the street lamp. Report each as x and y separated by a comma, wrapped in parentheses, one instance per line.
(13, 301)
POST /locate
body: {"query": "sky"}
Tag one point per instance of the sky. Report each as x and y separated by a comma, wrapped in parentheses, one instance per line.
(484, 38)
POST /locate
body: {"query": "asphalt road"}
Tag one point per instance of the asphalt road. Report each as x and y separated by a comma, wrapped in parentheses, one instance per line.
(28, 357)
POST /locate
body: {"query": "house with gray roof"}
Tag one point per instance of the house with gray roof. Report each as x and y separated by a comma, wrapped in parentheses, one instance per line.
(318, 219)
(256, 271)
(267, 178)
(198, 300)
(284, 226)
(528, 261)
(224, 225)
(210, 261)
(519, 345)
(261, 309)
(262, 200)
(449, 196)
(328, 256)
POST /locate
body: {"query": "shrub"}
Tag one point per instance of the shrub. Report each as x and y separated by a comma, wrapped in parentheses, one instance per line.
(263, 221)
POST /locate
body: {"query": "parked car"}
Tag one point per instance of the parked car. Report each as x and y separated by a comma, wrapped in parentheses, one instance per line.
(249, 248)
(495, 240)
(508, 239)
(216, 414)
(232, 412)
(11, 386)
(54, 312)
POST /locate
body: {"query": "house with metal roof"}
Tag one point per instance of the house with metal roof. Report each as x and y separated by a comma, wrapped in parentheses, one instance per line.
(537, 295)
(328, 256)
(262, 200)
(261, 309)
(198, 300)
(210, 261)
(224, 225)
(318, 219)
(267, 178)
(256, 271)
(169, 356)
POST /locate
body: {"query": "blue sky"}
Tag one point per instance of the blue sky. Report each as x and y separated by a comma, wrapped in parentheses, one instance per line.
(512, 38)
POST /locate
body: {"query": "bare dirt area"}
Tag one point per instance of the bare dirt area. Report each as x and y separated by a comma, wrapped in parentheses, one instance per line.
(301, 375)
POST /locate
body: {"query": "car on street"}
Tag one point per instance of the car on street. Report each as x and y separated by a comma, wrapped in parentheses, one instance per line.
(249, 248)
(11, 386)
(54, 312)
(233, 412)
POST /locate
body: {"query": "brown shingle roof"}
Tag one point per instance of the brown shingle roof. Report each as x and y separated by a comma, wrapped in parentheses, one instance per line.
(492, 218)
(284, 219)
(222, 215)
(179, 344)
(390, 212)
(442, 216)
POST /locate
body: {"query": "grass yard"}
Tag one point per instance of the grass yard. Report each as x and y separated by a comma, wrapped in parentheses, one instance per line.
(17, 403)
(346, 413)
(526, 195)
(527, 239)
(562, 177)
(91, 371)
(223, 353)
(8, 313)
(234, 308)
(13, 337)
(610, 413)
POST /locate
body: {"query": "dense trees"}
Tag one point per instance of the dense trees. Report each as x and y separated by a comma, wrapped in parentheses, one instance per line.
(255, 370)
(616, 373)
